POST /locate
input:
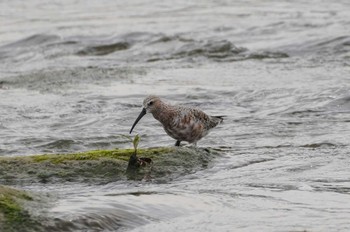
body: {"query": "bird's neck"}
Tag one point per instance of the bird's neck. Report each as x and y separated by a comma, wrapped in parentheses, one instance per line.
(164, 113)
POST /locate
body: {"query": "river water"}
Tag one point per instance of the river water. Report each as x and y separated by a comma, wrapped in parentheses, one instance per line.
(73, 75)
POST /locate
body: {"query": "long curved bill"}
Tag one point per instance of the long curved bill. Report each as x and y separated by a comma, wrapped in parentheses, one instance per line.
(143, 112)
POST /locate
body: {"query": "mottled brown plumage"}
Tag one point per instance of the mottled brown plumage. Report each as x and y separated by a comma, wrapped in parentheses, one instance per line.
(179, 122)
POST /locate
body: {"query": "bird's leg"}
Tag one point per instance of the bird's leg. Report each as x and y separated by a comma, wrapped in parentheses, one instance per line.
(177, 144)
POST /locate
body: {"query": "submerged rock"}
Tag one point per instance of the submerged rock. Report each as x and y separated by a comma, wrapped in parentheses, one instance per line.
(13, 215)
(19, 209)
(102, 166)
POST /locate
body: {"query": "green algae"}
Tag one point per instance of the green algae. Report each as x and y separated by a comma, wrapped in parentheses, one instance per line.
(119, 154)
(102, 166)
(13, 217)
(91, 167)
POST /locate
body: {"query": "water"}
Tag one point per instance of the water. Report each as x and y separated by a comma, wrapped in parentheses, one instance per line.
(73, 76)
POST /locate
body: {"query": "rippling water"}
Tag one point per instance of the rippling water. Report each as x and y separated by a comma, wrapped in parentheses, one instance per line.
(73, 75)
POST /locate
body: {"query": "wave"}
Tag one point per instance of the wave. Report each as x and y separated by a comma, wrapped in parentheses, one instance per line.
(319, 145)
(214, 50)
(30, 45)
(335, 45)
(101, 50)
(34, 40)
(339, 105)
(63, 81)
(136, 46)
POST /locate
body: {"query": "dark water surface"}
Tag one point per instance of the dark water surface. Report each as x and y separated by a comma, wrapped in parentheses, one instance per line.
(73, 75)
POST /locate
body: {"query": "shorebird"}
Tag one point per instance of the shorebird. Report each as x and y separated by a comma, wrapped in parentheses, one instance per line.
(179, 122)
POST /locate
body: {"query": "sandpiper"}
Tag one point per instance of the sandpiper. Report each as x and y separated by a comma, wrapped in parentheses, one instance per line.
(179, 122)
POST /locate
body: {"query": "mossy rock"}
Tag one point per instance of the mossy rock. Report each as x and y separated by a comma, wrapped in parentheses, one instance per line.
(19, 209)
(13, 216)
(103, 166)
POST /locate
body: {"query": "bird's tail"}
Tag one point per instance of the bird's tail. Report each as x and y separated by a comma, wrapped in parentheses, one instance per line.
(220, 118)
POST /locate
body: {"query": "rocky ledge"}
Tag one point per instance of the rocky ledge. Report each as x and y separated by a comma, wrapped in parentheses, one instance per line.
(159, 165)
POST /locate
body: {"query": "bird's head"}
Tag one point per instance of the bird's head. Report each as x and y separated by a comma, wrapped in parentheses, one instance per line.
(150, 105)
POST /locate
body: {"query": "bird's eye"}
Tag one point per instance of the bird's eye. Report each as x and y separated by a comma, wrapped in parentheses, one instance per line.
(150, 103)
